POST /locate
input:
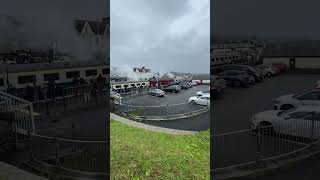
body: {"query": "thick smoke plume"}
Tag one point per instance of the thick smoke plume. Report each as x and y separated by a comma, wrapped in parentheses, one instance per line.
(37, 24)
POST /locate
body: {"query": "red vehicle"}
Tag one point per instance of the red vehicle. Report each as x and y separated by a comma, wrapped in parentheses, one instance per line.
(281, 66)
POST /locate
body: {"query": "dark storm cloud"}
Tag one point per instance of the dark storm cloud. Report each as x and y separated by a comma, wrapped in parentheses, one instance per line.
(163, 35)
(270, 18)
(45, 21)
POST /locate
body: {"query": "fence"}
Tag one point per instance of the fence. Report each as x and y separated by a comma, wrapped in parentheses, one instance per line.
(254, 146)
(88, 156)
(72, 98)
(23, 110)
(162, 112)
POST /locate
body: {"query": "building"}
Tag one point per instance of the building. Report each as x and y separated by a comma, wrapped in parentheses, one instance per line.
(97, 33)
(201, 78)
(296, 55)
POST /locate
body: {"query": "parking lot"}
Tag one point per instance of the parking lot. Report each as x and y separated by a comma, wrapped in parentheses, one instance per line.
(233, 110)
(197, 123)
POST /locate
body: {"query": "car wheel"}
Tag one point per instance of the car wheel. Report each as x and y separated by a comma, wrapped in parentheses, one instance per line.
(286, 107)
(266, 128)
(269, 74)
(236, 83)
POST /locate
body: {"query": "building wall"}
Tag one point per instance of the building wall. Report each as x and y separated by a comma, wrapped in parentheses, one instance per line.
(270, 60)
(308, 62)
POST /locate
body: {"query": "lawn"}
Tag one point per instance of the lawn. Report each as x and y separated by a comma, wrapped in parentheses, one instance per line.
(141, 154)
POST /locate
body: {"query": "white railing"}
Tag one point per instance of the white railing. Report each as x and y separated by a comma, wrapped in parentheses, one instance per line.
(24, 118)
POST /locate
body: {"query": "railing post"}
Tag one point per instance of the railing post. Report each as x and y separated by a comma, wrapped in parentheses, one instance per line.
(312, 131)
(31, 145)
(167, 111)
(64, 102)
(258, 152)
(47, 107)
(57, 151)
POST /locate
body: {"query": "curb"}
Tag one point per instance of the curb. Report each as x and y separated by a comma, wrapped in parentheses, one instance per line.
(150, 127)
(270, 166)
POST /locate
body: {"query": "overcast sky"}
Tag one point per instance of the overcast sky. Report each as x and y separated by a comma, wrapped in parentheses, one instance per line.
(279, 18)
(163, 35)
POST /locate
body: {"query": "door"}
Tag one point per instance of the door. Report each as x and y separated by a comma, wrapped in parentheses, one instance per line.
(292, 63)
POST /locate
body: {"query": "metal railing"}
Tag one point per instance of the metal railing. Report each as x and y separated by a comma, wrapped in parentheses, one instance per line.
(24, 117)
(161, 112)
(254, 146)
(74, 155)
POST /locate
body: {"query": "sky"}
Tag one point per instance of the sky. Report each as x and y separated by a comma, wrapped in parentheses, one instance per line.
(163, 35)
(267, 18)
(50, 20)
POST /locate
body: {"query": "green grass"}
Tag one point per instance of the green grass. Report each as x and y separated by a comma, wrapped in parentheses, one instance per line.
(140, 154)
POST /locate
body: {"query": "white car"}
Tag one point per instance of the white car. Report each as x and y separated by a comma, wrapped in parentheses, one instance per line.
(303, 121)
(201, 100)
(267, 70)
(293, 100)
(202, 93)
(317, 85)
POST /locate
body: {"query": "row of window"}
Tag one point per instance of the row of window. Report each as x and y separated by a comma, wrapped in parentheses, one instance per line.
(226, 58)
(56, 76)
(127, 86)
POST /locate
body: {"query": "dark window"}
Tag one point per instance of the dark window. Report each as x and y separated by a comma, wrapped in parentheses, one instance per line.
(1, 82)
(133, 85)
(126, 85)
(138, 84)
(52, 76)
(143, 83)
(106, 71)
(310, 96)
(300, 114)
(26, 79)
(91, 72)
(118, 86)
(72, 74)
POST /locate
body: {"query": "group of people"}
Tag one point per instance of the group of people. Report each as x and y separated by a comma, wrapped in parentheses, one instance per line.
(51, 90)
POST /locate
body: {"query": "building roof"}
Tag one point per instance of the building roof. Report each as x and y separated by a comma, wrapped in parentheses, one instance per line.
(15, 68)
(293, 49)
(97, 27)
(201, 77)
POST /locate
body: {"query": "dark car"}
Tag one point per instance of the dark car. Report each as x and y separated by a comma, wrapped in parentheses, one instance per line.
(184, 86)
(173, 88)
(235, 78)
(217, 85)
(281, 66)
(156, 92)
(247, 69)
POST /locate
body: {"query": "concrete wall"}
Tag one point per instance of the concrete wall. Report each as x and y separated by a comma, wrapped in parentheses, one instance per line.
(308, 62)
(270, 60)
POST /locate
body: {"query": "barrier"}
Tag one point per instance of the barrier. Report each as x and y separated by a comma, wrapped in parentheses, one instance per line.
(254, 146)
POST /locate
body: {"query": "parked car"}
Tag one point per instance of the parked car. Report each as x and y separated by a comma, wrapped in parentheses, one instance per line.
(267, 70)
(156, 92)
(317, 85)
(293, 100)
(281, 66)
(247, 69)
(217, 85)
(235, 78)
(173, 88)
(201, 100)
(184, 86)
(302, 121)
(200, 93)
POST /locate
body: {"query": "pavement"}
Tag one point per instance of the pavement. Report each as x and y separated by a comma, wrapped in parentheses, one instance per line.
(197, 123)
(232, 112)
(9, 172)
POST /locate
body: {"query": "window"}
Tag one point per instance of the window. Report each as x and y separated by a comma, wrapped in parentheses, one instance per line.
(309, 96)
(143, 83)
(300, 114)
(52, 76)
(126, 86)
(93, 72)
(138, 84)
(26, 79)
(1, 82)
(106, 71)
(72, 74)
(119, 86)
(133, 85)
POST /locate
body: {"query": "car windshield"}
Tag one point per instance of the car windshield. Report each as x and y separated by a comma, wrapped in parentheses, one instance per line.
(300, 114)
(286, 112)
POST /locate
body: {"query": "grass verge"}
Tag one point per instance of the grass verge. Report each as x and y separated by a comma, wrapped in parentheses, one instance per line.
(141, 154)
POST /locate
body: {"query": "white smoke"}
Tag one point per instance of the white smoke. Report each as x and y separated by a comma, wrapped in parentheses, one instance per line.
(127, 72)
